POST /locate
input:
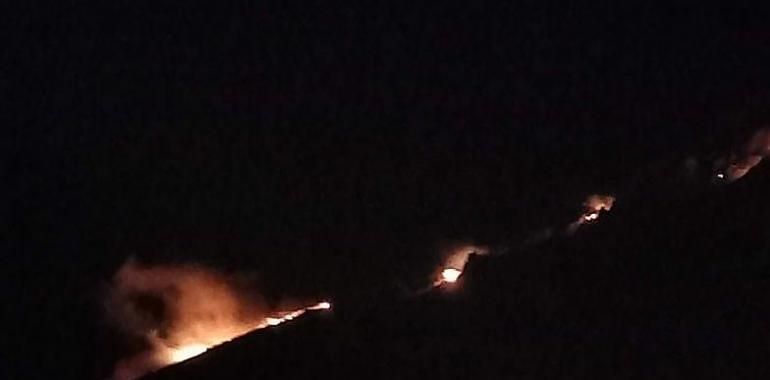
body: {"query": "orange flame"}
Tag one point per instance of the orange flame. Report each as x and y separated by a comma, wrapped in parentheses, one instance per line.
(195, 309)
(594, 205)
(178, 354)
(456, 256)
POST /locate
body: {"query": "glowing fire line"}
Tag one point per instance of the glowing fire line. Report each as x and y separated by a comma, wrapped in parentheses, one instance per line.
(187, 351)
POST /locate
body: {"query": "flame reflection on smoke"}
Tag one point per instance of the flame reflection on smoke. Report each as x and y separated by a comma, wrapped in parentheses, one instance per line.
(321, 306)
(171, 355)
(594, 205)
(181, 311)
(455, 257)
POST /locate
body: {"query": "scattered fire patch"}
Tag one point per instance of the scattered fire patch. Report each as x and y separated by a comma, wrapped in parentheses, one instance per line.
(455, 258)
(594, 205)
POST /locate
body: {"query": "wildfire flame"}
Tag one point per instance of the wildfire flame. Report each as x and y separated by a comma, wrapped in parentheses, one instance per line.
(594, 205)
(456, 256)
(450, 275)
(320, 306)
(182, 353)
(182, 311)
(590, 217)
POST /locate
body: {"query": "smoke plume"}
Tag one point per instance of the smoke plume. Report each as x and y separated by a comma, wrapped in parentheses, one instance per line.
(179, 311)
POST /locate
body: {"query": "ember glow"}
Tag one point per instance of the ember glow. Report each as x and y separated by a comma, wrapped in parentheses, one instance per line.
(171, 355)
(591, 216)
(182, 311)
(179, 354)
(455, 257)
(594, 205)
(321, 306)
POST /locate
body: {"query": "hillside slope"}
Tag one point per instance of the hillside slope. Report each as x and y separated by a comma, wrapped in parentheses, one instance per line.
(674, 283)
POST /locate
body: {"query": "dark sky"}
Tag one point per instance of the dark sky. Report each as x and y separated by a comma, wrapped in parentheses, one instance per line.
(311, 144)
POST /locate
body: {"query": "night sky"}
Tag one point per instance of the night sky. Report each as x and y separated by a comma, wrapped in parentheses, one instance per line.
(329, 150)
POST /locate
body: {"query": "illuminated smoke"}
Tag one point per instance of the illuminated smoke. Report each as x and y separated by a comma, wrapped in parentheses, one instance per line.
(181, 311)
(739, 163)
(593, 207)
(455, 257)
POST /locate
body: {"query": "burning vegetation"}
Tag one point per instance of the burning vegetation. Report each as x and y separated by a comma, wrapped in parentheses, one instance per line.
(593, 206)
(178, 312)
(455, 257)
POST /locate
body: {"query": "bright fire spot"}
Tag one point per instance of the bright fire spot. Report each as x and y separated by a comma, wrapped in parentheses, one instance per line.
(321, 306)
(455, 257)
(185, 352)
(450, 275)
(594, 205)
